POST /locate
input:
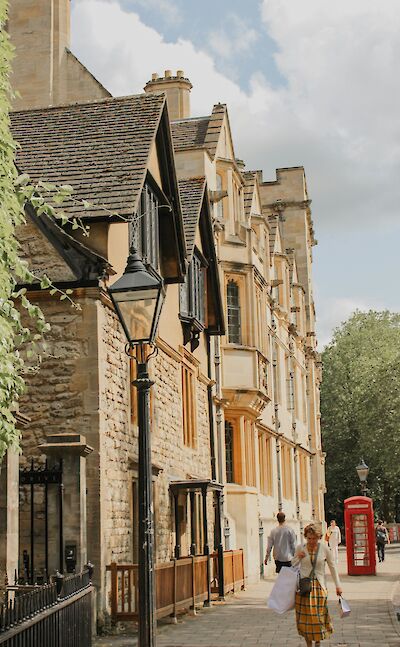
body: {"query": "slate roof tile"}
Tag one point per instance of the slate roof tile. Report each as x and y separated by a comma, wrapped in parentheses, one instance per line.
(199, 132)
(191, 192)
(189, 133)
(100, 148)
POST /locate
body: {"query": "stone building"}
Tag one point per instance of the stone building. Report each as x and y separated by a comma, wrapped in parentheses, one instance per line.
(45, 71)
(81, 404)
(241, 409)
(267, 364)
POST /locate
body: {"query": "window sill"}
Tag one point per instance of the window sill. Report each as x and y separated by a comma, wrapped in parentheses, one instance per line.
(237, 488)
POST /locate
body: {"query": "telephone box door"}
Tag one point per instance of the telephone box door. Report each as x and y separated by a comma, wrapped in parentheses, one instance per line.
(360, 536)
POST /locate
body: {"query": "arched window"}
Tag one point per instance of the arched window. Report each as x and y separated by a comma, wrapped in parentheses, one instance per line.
(233, 305)
(229, 451)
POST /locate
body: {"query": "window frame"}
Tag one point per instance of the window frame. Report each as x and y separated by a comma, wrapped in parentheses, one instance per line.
(236, 468)
(193, 293)
(189, 409)
(236, 308)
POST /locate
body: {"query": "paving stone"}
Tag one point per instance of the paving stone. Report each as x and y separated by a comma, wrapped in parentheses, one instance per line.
(245, 621)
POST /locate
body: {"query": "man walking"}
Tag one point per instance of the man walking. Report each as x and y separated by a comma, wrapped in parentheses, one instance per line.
(382, 538)
(283, 540)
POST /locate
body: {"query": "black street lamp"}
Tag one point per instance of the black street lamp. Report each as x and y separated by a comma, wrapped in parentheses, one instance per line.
(362, 471)
(138, 297)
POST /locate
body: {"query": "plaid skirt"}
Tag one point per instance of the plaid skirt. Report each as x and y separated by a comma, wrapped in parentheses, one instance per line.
(312, 615)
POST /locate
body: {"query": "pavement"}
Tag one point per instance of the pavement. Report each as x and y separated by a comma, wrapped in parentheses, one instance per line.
(243, 620)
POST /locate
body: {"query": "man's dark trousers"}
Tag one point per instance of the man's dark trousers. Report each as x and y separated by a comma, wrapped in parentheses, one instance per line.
(278, 565)
(381, 550)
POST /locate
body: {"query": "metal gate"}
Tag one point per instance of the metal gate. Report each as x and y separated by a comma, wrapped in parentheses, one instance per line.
(45, 477)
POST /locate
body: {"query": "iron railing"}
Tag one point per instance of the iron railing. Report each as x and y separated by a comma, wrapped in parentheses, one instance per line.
(57, 614)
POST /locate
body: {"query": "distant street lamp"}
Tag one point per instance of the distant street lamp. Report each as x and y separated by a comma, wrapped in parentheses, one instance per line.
(362, 471)
(138, 297)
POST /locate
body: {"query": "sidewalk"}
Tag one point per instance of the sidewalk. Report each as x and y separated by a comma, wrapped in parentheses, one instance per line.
(244, 620)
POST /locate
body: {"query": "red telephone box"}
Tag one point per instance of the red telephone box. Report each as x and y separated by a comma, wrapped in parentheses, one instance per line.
(360, 536)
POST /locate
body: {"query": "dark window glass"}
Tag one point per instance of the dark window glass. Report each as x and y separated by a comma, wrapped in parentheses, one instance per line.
(192, 292)
(233, 303)
(229, 451)
(144, 228)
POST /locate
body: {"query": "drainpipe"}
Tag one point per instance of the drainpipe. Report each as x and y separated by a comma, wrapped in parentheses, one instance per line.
(295, 450)
(276, 419)
(211, 411)
(220, 497)
(310, 443)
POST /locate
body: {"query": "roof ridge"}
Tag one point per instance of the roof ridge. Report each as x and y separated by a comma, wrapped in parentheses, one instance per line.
(195, 177)
(91, 102)
(178, 121)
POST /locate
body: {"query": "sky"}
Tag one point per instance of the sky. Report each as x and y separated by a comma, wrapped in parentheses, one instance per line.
(312, 83)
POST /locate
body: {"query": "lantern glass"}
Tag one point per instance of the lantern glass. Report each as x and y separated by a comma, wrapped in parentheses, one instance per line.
(362, 471)
(138, 297)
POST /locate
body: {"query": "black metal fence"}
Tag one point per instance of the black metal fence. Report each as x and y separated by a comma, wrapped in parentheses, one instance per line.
(53, 615)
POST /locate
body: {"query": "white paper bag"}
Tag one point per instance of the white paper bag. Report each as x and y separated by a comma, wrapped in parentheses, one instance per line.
(344, 608)
(282, 596)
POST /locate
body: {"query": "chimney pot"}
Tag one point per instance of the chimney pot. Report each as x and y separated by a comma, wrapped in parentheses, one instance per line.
(177, 89)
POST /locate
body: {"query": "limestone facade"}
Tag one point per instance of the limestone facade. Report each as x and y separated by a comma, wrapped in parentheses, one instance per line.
(84, 387)
(267, 365)
(45, 71)
(263, 374)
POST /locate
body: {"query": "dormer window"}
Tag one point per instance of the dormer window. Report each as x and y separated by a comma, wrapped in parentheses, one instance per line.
(192, 294)
(144, 231)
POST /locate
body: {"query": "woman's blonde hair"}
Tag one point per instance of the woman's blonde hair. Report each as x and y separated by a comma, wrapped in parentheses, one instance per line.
(313, 528)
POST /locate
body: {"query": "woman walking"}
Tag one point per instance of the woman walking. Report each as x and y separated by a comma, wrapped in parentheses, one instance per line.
(312, 616)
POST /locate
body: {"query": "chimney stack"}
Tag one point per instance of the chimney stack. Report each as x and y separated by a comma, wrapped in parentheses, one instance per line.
(177, 88)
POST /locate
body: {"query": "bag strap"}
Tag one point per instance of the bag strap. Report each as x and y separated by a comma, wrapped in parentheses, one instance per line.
(314, 562)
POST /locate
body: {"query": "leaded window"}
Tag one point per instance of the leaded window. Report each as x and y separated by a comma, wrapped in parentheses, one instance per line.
(233, 304)
(192, 291)
(144, 232)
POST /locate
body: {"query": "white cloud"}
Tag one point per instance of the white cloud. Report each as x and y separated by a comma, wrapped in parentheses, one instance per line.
(123, 52)
(168, 9)
(337, 113)
(235, 36)
(332, 312)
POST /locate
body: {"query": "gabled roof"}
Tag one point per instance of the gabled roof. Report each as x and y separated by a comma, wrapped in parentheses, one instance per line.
(197, 217)
(214, 128)
(100, 148)
(199, 132)
(82, 266)
(273, 222)
(189, 133)
(192, 194)
(249, 182)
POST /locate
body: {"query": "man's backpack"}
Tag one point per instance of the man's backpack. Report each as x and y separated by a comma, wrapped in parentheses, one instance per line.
(381, 536)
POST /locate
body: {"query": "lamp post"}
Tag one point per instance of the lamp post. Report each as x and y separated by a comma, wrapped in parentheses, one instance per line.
(362, 471)
(138, 297)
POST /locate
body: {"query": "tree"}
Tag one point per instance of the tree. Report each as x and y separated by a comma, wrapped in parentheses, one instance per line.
(360, 408)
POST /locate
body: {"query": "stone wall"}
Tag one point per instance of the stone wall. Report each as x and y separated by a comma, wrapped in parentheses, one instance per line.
(83, 387)
(171, 460)
(117, 442)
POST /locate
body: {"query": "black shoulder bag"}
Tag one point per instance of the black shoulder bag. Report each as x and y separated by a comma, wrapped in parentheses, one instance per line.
(305, 583)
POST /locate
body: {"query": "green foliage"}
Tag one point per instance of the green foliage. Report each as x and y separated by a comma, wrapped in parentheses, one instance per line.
(360, 407)
(20, 345)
